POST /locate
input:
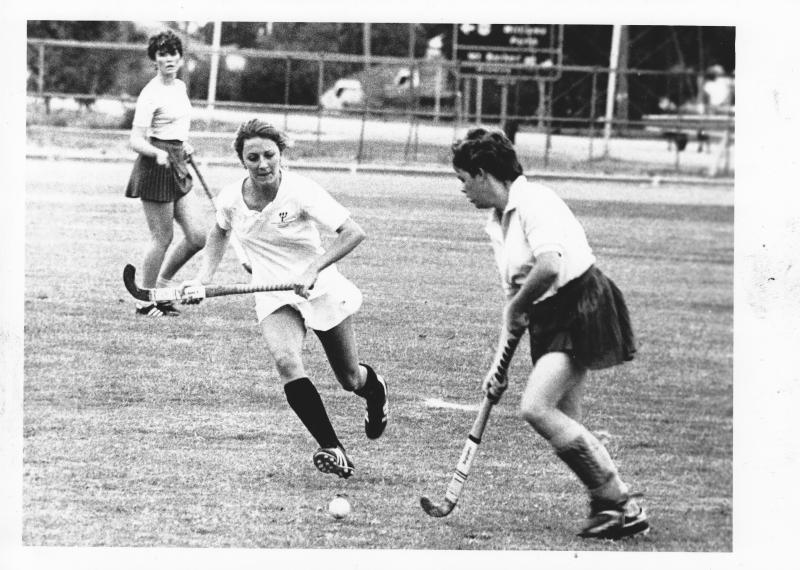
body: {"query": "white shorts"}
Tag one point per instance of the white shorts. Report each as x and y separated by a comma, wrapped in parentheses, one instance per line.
(341, 299)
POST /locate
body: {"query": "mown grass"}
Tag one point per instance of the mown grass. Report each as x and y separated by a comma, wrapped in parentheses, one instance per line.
(176, 432)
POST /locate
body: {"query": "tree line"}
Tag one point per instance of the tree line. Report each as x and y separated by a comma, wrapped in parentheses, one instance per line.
(264, 80)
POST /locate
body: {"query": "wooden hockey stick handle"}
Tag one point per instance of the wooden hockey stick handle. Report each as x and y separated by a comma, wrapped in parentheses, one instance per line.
(220, 290)
(174, 293)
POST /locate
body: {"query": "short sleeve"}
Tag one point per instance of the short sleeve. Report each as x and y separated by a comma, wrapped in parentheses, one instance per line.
(543, 232)
(223, 218)
(546, 239)
(225, 205)
(322, 207)
(145, 108)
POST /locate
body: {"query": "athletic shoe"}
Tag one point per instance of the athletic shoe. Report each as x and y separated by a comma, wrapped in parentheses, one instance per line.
(615, 521)
(168, 308)
(377, 411)
(150, 310)
(334, 460)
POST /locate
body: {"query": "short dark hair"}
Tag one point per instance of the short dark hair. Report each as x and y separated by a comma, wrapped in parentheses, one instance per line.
(256, 128)
(487, 149)
(166, 41)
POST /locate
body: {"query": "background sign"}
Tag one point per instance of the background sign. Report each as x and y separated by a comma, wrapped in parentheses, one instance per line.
(491, 48)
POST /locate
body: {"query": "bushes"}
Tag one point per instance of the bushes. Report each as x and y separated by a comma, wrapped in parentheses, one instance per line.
(76, 116)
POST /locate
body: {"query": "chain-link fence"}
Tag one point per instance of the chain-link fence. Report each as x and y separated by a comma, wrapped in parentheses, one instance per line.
(341, 107)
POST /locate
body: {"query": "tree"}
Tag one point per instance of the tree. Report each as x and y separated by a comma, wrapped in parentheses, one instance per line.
(85, 70)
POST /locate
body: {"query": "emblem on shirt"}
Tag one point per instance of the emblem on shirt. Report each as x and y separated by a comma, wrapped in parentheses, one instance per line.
(283, 218)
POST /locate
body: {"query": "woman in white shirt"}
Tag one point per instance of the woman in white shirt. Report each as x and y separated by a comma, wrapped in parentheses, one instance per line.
(160, 177)
(575, 315)
(277, 215)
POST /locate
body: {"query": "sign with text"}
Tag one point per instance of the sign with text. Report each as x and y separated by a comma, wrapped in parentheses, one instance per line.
(518, 49)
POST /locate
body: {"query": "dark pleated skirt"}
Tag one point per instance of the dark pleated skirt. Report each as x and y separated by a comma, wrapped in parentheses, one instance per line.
(151, 181)
(587, 319)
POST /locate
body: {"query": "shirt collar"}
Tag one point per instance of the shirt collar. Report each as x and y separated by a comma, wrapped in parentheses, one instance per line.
(514, 192)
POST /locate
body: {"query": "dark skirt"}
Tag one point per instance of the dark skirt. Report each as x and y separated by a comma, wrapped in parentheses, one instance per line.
(151, 181)
(588, 319)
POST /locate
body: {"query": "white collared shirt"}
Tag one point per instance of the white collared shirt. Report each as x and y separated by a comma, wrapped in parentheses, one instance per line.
(284, 238)
(536, 220)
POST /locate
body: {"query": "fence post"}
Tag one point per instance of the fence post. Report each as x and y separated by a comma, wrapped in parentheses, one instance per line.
(503, 103)
(214, 70)
(678, 145)
(467, 102)
(286, 86)
(479, 99)
(320, 88)
(548, 123)
(41, 70)
(359, 154)
(40, 80)
(437, 102)
(592, 117)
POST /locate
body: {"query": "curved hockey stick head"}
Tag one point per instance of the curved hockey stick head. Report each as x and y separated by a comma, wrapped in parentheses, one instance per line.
(129, 278)
(435, 510)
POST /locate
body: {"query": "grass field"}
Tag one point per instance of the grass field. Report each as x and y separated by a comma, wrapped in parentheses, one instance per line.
(176, 432)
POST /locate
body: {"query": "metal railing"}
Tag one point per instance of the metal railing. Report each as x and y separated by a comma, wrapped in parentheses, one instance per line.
(548, 115)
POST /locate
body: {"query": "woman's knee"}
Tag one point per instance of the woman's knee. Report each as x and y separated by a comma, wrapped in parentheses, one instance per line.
(535, 412)
(191, 221)
(289, 365)
(197, 239)
(161, 240)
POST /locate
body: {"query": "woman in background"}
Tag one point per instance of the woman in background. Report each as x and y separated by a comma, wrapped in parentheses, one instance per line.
(160, 177)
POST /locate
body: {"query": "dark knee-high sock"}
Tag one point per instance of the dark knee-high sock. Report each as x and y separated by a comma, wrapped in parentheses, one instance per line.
(370, 385)
(304, 399)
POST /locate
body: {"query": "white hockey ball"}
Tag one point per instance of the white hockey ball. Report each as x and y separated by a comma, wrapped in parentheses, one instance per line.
(339, 507)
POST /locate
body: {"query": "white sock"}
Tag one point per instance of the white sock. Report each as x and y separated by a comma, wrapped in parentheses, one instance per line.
(164, 283)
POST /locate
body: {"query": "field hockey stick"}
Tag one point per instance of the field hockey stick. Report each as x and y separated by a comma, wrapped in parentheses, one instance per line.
(237, 247)
(453, 491)
(174, 293)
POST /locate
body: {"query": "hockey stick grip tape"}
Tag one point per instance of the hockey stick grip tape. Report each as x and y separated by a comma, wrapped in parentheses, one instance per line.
(453, 490)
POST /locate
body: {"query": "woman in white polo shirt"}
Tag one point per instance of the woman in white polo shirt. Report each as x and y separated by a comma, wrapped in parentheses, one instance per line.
(277, 215)
(160, 177)
(575, 315)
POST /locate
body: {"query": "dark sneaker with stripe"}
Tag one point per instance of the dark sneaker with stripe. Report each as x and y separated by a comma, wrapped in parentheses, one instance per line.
(151, 310)
(377, 410)
(615, 521)
(168, 308)
(334, 460)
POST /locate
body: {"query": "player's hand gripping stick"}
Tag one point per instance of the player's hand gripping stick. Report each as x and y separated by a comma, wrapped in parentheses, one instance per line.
(464, 465)
(197, 293)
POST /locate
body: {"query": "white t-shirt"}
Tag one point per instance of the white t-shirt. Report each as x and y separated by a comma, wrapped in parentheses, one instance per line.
(719, 91)
(536, 221)
(284, 238)
(165, 110)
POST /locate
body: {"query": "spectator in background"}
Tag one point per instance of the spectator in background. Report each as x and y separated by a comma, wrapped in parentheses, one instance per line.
(718, 91)
(160, 177)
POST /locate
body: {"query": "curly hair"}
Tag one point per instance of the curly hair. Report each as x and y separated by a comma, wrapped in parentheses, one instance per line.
(486, 149)
(167, 42)
(256, 128)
